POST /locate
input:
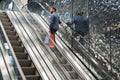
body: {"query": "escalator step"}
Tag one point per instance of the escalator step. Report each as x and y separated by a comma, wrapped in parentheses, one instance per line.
(13, 37)
(6, 23)
(16, 43)
(68, 67)
(24, 62)
(18, 49)
(59, 55)
(4, 19)
(9, 28)
(63, 60)
(73, 74)
(33, 77)
(28, 70)
(10, 32)
(21, 55)
(2, 13)
(3, 16)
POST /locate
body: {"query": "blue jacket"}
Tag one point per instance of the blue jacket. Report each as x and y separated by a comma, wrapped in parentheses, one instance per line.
(81, 24)
(54, 21)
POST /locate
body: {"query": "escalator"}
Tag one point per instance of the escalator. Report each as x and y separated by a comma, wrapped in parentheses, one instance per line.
(23, 58)
(62, 56)
(65, 64)
(59, 62)
(89, 61)
(79, 51)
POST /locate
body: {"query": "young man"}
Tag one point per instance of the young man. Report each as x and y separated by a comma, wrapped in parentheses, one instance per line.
(81, 25)
(54, 22)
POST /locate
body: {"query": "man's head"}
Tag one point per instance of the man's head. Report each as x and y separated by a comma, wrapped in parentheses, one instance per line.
(80, 13)
(52, 10)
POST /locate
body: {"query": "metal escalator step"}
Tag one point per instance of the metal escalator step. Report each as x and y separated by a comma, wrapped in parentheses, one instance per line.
(3, 13)
(73, 74)
(28, 70)
(18, 49)
(9, 28)
(10, 32)
(22, 55)
(33, 77)
(24, 62)
(6, 23)
(16, 43)
(59, 55)
(11, 37)
(3, 16)
(68, 67)
(63, 60)
(4, 19)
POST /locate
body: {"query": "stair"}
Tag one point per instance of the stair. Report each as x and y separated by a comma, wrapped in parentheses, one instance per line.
(24, 60)
(68, 67)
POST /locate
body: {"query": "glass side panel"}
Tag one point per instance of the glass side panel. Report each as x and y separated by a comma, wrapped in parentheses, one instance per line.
(15, 70)
(1, 78)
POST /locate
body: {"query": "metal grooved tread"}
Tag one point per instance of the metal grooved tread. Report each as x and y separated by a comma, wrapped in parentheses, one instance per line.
(68, 67)
(25, 62)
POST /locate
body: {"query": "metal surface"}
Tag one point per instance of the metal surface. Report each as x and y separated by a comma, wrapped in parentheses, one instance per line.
(22, 35)
(27, 20)
(13, 54)
(40, 52)
(63, 51)
(60, 50)
(3, 68)
(103, 39)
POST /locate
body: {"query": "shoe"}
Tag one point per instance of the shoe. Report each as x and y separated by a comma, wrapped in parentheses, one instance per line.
(51, 45)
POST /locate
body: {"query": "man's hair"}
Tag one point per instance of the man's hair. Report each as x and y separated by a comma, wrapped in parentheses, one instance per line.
(79, 12)
(54, 8)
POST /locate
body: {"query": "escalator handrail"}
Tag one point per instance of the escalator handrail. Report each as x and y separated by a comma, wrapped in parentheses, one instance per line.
(13, 54)
(9, 66)
(5, 74)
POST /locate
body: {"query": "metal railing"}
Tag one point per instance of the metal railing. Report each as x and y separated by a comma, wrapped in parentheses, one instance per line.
(13, 66)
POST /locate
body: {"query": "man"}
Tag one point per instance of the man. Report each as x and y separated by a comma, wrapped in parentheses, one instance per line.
(81, 26)
(54, 22)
